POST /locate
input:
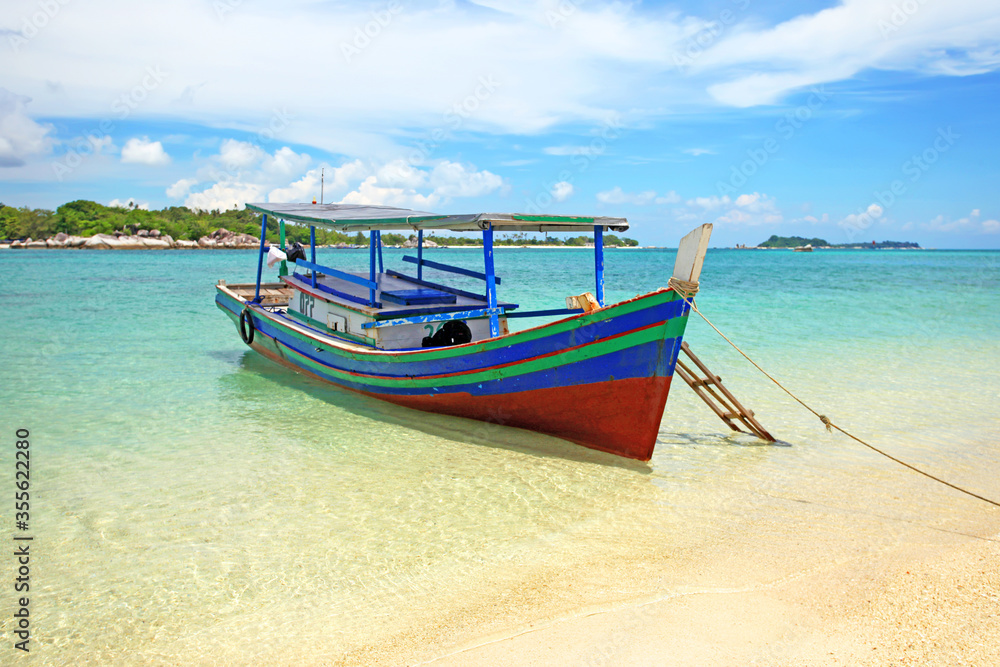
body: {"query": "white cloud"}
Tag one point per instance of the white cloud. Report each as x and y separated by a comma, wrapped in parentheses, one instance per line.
(20, 137)
(862, 220)
(669, 198)
(284, 163)
(699, 151)
(562, 191)
(753, 208)
(181, 188)
(969, 223)
(371, 193)
(452, 179)
(710, 203)
(144, 151)
(283, 176)
(224, 196)
(954, 38)
(618, 196)
(401, 174)
(128, 203)
(243, 172)
(605, 57)
(323, 182)
(235, 154)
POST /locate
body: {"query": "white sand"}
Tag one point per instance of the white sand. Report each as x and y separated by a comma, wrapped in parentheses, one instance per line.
(921, 606)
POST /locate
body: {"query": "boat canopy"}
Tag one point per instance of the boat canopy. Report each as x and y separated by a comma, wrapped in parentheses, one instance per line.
(355, 217)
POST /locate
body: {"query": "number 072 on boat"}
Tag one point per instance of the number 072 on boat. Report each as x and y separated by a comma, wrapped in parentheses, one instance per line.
(598, 375)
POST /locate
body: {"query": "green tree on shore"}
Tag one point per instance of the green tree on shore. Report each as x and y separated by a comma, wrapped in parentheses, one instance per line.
(86, 218)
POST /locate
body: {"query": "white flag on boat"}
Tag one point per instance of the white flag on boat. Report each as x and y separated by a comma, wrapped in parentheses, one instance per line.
(275, 255)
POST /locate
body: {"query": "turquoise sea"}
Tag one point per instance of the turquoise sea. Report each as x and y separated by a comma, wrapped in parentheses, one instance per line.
(192, 503)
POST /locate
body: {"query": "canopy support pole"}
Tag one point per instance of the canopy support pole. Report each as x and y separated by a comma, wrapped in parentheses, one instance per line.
(283, 267)
(491, 282)
(420, 254)
(260, 256)
(378, 244)
(312, 252)
(599, 262)
(372, 240)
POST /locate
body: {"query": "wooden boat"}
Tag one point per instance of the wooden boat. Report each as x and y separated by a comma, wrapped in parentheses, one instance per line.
(598, 376)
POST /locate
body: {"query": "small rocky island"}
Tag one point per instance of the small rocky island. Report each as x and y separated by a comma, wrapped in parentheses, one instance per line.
(139, 240)
(798, 242)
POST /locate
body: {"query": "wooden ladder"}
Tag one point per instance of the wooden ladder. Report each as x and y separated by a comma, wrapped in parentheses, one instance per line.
(717, 397)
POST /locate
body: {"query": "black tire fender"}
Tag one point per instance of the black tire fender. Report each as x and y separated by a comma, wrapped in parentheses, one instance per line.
(246, 326)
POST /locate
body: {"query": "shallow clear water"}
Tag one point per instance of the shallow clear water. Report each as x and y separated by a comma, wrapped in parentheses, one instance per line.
(195, 503)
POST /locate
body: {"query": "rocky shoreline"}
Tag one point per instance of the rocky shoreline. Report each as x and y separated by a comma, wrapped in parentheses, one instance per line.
(140, 240)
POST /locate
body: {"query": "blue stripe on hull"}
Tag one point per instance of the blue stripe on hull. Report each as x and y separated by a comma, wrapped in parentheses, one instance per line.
(479, 359)
(655, 358)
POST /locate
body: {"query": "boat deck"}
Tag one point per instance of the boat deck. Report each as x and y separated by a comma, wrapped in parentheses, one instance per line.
(272, 294)
(391, 290)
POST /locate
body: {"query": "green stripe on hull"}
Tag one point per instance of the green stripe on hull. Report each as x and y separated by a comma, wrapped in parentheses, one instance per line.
(497, 343)
(672, 329)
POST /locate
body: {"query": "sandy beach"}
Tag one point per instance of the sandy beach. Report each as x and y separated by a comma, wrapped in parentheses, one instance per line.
(931, 598)
(931, 605)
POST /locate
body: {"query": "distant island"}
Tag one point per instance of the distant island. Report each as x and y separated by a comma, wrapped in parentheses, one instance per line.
(797, 242)
(87, 224)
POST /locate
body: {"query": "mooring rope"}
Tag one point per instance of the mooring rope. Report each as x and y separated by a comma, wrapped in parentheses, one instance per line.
(688, 295)
(686, 288)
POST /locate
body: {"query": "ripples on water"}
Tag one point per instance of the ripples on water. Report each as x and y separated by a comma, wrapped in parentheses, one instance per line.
(198, 503)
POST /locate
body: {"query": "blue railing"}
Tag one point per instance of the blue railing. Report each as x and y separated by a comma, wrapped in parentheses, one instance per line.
(357, 280)
(445, 267)
(437, 317)
(546, 313)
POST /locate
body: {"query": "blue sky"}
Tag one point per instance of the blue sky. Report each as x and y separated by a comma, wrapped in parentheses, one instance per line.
(851, 121)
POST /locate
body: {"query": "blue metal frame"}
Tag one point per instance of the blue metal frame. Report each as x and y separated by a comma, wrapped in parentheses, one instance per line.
(335, 292)
(491, 282)
(544, 313)
(446, 267)
(260, 257)
(371, 267)
(335, 273)
(443, 288)
(418, 319)
(312, 252)
(378, 244)
(420, 254)
(599, 262)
